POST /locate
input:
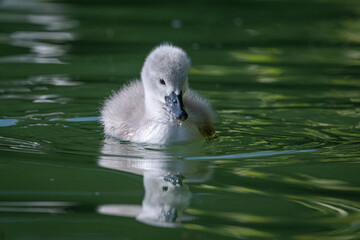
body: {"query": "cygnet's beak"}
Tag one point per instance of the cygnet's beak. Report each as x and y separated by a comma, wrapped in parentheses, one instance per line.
(176, 106)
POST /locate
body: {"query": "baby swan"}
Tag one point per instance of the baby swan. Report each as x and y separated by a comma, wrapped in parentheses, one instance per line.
(159, 109)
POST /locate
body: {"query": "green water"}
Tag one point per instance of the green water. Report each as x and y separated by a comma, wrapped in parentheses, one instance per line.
(283, 77)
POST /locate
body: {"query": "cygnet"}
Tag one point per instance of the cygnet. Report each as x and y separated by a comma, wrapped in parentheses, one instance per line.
(160, 108)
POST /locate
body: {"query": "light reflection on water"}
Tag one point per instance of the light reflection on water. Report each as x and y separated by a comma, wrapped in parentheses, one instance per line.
(31, 88)
(45, 47)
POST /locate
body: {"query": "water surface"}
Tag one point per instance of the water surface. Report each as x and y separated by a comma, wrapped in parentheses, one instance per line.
(282, 76)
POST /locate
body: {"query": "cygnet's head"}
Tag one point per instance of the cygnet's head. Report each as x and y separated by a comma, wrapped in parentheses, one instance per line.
(164, 76)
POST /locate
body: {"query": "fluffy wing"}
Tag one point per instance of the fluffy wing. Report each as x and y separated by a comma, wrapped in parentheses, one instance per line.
(123, 109)
(200, 112)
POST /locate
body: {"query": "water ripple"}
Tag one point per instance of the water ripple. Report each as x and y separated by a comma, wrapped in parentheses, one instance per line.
(246, 155)
(20, 145)
(46, 47)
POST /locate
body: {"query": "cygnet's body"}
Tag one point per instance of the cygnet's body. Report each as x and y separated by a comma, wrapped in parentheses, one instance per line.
(160, 108)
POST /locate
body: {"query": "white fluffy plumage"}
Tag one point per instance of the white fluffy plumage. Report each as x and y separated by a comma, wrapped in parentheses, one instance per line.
(138, 112)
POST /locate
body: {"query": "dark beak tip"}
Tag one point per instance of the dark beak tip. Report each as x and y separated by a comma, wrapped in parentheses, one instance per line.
(176, 106)
(183, 116)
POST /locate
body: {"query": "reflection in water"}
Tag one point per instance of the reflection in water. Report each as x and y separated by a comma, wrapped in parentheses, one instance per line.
(35, 207)
(20, 145)
(45, 46)
(56, 80)
(27, 89)
(165, 176)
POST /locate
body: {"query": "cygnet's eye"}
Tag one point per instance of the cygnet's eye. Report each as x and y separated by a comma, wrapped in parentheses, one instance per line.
(162, 82)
